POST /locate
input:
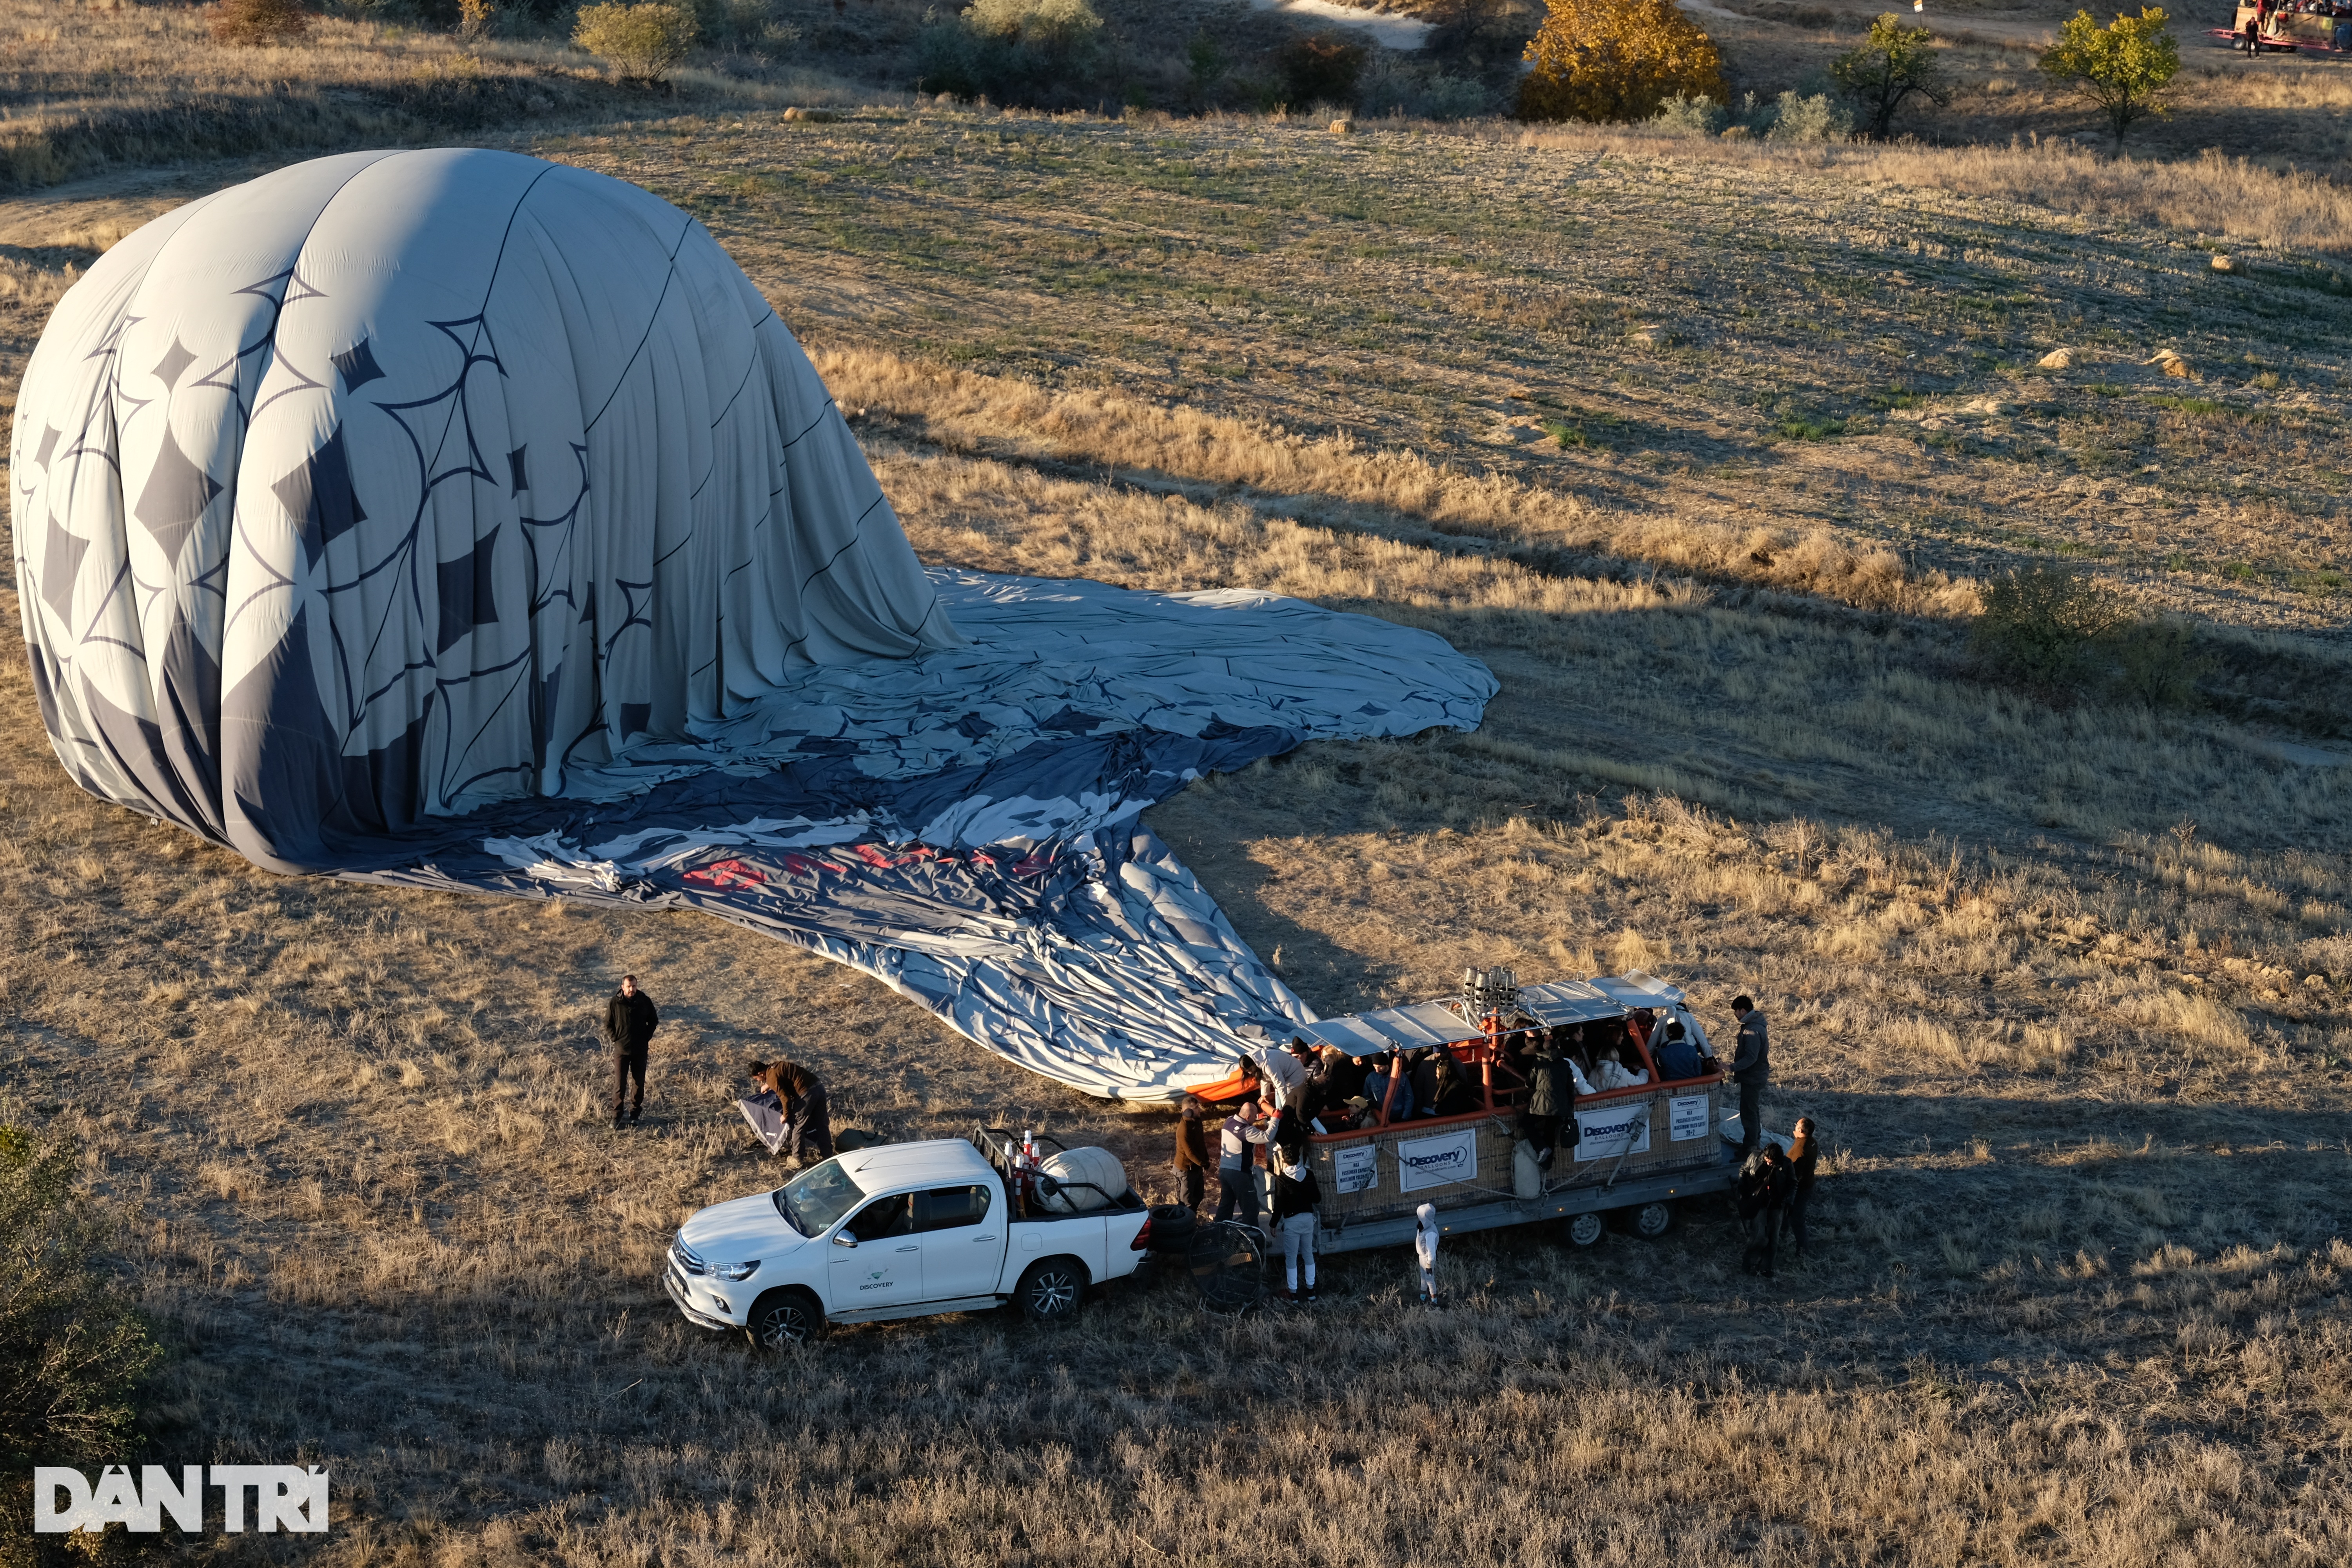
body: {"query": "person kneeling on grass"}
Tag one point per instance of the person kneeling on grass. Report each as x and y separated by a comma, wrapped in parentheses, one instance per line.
(808, 1119)
(1295, 1194)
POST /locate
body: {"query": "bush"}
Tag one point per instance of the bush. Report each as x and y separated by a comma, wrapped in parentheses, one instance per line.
(2043, 625)
(1890, 64)
(2123, 67)
(1617, 60)
(1797, 118)
(644, 43)
(2159, 662)
(1015, 50)
(71, 1353)
(1393, 84)
(1682, 116)
(261, 22)
(1321, 69)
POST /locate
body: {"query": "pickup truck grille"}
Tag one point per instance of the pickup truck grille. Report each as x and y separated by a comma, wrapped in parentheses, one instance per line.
(689, 1262)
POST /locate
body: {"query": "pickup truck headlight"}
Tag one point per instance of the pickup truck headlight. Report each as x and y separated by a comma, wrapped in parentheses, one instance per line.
(736, 1271)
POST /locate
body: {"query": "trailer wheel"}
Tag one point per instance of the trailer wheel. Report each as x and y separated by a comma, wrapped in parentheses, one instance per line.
(1585, 1229)
(1052, 1291)
(782, 1319)
(1650, 1221)
(1227, 1263)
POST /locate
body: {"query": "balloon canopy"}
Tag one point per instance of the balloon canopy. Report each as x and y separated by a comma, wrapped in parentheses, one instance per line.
(390, 485)
(460, 519)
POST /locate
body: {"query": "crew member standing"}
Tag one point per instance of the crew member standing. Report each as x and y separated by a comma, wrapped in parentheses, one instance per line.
(1192, 1153)
(630, 1020)
(1751, 1070)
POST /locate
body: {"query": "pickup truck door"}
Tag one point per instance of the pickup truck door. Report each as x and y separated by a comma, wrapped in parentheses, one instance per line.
(962, 1230)
(885, 1268)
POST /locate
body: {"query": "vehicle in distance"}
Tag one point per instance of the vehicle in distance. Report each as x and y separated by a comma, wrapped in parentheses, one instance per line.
(901, 1230)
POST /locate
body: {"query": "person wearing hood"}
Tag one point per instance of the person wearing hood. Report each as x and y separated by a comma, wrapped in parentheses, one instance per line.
(1296, 1195)
(1424, 1251)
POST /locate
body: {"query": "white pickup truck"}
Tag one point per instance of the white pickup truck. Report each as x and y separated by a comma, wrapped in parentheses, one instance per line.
(900, 1230)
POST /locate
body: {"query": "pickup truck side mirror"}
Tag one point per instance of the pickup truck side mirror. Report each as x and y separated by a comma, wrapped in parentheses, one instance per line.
(844, 1239)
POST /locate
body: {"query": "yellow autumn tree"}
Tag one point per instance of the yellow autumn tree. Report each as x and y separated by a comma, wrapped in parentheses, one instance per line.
(1617, 59)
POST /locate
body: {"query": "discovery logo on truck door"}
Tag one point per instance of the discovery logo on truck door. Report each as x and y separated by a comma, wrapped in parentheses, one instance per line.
(1612, 1131)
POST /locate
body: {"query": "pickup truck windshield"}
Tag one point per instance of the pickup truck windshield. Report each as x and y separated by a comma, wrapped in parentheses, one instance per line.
(810, 1204)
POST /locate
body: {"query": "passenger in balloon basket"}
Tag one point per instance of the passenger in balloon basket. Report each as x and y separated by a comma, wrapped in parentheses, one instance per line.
(630, 1020)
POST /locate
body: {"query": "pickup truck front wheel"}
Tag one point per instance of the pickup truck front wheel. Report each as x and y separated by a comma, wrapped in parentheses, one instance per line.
(1052, 1291)
(782, 1319)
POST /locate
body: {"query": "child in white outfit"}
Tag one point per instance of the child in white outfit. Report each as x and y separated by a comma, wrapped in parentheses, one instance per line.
(1424, 1247)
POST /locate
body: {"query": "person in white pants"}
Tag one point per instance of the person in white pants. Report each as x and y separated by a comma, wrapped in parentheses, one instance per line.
(1424, 1248)
(1295, 1194)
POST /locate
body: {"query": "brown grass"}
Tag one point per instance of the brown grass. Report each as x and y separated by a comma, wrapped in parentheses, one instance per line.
(2069, 988)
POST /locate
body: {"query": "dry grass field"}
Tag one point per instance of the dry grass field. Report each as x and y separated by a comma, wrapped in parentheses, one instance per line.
(1705, 452)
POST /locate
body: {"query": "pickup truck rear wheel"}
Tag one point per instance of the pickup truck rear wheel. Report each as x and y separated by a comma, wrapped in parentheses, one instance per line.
(1051, 1291)
(782, 1319)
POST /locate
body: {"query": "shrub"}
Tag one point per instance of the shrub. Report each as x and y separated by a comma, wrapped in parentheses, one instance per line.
(2159, 662)
(2123, 67)
(644, 43)
(1061, 31)
(1449, 97)
(1890, 64)
(2042, 626)
(1016, 50)
(1321, 69)
(1617, 60)
(261, 22)
(1683, 116)
(1798, 118)
(72, 1351)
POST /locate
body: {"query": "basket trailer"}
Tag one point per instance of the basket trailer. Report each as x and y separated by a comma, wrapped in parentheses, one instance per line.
(1638, 1151)
(2317, 26)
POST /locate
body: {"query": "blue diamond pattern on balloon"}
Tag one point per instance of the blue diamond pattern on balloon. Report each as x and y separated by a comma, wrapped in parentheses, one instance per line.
(168, 369)
(60, 564)
(358, 366)
(318, 496)
(177, 493)
(468, 593)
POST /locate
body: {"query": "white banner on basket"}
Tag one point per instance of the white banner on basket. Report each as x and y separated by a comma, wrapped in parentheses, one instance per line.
(1355, 1169)
(1612, 1131)
(1687, 1117)
(1435, 1162)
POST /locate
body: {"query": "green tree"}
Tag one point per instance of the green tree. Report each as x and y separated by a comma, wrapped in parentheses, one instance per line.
(1891, 63)
(644, 43)
(2042, 626)
(2123, 68)
(71, 1349)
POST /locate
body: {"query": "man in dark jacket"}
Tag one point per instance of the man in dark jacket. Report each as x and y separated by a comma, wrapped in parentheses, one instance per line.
(1765, 1181)
(630, 1020)
(1751, 1070)
(1192, 1153)
(1676, 1057)
(1550, 1098)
